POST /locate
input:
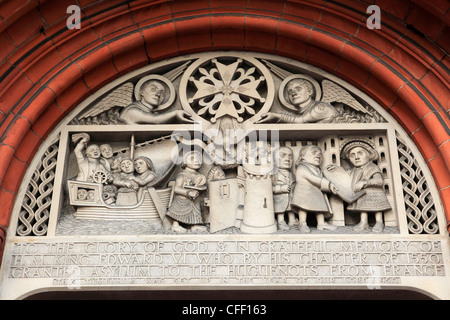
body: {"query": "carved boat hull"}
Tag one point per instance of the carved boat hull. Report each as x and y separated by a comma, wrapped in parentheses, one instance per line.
(97, 209)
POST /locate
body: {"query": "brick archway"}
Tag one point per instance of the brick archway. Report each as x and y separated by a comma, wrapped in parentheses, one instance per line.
(47, 69)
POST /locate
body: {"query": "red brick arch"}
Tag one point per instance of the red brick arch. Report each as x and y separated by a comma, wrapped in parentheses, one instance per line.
(46, 69)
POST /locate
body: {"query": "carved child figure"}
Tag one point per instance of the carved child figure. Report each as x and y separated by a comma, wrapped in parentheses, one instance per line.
(185, 206)
(283, 184)
(310, 189)
(366, 175)
(127, 193)
(82, 194)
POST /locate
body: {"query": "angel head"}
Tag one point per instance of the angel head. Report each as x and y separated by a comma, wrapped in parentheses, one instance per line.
(153, 93)
(299, 91)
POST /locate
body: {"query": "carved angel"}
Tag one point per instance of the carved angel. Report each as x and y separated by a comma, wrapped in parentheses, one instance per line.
(303, 95)
(153, 93)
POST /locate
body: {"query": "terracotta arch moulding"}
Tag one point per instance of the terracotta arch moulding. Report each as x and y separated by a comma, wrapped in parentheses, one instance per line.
(47, 74)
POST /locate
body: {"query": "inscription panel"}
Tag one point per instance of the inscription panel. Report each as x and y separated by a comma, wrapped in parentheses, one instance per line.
(226, 262)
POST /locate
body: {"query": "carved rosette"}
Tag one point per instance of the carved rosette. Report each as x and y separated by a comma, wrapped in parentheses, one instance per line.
(220, 86)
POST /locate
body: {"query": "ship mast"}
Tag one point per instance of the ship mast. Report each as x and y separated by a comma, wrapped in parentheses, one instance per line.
(132, 147)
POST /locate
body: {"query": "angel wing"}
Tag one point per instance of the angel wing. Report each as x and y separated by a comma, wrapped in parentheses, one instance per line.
(120, 97)
(334, 93)
(280, 72)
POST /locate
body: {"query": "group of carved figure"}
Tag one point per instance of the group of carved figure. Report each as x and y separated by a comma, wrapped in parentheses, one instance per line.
(295, 192)
(126, 178)
(307, 189)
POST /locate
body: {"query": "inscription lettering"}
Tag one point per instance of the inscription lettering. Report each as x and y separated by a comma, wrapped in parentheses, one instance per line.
(228, 262)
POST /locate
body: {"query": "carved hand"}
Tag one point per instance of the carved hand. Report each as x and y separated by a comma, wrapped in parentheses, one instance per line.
(183, 116)
(193, 194)
(131, 185)
(285, 188)
(333, 188)
(360, 185)
(269, 117)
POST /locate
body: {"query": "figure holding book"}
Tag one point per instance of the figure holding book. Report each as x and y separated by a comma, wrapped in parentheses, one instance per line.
(366, 175)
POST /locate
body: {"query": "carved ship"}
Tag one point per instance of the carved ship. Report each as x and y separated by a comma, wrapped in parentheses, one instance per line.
(96, 204)
(149, 207)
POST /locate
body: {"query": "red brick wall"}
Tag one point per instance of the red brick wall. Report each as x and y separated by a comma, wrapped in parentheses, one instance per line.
(46, 69)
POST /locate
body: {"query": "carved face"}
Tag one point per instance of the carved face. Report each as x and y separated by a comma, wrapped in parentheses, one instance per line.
(358, 156)
(91, 194)
(93, 151)
(106, 151)
(153, 94)
(127, 166)
(313, 156)
(286, 158)
(298, 92)
(82, 194)
(140, 165)
(193, 161)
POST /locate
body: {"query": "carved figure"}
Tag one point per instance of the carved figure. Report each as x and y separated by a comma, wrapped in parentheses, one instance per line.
(310, 189)
(146, 175)
(127, 193)
(82, 194)
(283, 186)
(91, 195)
(107, 156)
(300, 93)
(366, 175)
(115, 166)
(89, 163)
(152, 94)
(185, 207)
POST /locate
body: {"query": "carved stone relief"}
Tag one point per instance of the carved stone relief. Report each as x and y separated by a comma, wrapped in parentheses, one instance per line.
(307, 174)
(234, 156)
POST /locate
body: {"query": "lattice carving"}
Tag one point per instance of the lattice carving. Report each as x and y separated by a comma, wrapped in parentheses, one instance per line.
(35, 211)
(420, 209)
